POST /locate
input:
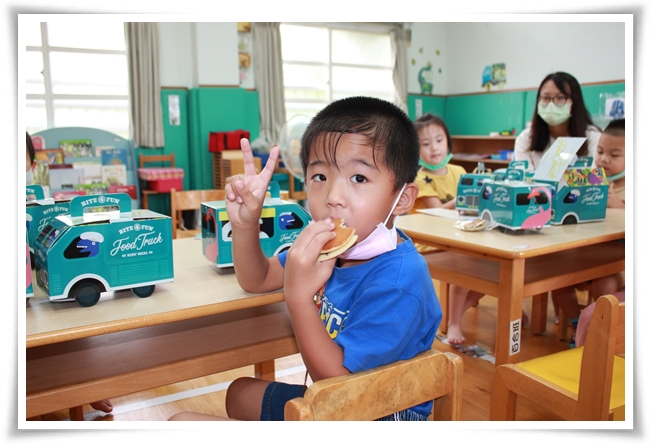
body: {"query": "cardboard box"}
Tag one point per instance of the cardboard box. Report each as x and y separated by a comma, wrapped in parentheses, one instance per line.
(39, 212)
(281, 222)
(580, 195)
(516, 204)
(101, 245)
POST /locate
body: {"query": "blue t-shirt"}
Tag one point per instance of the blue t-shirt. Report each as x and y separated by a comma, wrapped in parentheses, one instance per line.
(383, 310)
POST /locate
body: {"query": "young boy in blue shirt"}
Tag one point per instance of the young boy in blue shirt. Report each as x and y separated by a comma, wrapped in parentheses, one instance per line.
(375, 304)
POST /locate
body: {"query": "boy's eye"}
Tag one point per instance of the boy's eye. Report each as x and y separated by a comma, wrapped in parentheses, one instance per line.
(318, 178)
(358, 178)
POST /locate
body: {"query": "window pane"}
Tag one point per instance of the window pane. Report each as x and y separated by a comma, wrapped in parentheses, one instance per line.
(361, 81)
(33, 73)
(109, 115)
(91, 34)
(306, 109)
(305, 82)
(361, 48)
(31, 32)
(304, 43)
(75, 73)
(36, 117)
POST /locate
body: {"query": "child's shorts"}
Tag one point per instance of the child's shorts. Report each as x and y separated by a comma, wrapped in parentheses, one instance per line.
(277, 394)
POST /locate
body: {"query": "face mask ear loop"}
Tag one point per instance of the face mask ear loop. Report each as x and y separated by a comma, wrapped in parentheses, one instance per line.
(394, 204)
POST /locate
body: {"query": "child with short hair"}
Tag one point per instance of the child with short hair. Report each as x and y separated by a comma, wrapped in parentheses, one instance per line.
(610, 155)
(373, 305)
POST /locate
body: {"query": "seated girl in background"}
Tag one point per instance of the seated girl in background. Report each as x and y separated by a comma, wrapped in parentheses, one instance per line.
(437, 179)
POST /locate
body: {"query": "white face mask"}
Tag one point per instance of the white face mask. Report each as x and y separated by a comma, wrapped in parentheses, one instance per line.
(380, 241)
(554, 114)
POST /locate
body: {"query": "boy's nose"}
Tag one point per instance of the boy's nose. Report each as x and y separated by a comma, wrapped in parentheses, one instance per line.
(336, 193)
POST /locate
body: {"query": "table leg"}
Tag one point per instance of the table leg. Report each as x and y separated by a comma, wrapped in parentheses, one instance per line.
(511, 289)
(443, 297)
(538, 316)
(265, 370)
(76, 413)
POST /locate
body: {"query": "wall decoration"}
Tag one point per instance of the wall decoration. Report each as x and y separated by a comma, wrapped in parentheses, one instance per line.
(245, 57)
(494, 75)
(425, 78)
(174, 110)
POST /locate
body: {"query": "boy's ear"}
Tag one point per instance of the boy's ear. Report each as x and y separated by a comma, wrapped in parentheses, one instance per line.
(407, 199)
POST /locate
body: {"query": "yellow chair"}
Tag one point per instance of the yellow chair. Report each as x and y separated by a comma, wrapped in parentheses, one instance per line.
(189, 200)
(582, 384)
(373, 394)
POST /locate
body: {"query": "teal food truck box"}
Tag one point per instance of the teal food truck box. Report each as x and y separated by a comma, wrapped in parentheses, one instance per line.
(40, 211)
(280, 223)
(101, 245)
(580, 194)
(468, 192)
(514, 203)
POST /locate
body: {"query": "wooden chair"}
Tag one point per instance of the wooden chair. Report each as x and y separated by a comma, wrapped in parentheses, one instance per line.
(162, 158)
(581, 384)
(373, 394)
(189, 200)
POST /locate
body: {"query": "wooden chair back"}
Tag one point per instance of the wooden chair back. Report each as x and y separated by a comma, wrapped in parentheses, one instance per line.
(373, 394)
(161, 158)
(190, 200)
(605, 340)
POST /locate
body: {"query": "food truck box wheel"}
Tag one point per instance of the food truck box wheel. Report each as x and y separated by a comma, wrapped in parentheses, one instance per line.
(86, 293)
(143, 292)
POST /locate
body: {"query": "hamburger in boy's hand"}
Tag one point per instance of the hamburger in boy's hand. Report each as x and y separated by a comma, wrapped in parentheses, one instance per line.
(344, 239)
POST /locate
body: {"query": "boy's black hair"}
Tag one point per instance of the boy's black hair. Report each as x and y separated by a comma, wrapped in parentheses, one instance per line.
(615, 128)
(30, 148)
(580, 117)
(389, 130)
(429, 119)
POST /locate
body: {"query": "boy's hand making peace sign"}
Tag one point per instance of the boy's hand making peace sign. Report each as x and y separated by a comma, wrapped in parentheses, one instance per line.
(245, 194)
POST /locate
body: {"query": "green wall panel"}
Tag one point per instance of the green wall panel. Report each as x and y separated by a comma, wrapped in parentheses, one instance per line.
(430, 104)
(215, 110)
(481, 114)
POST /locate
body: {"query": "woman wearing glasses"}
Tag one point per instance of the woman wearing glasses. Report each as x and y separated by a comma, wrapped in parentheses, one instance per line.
(560, 112)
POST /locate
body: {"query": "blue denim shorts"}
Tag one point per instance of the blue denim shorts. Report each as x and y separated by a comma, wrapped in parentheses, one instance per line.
(277, 394)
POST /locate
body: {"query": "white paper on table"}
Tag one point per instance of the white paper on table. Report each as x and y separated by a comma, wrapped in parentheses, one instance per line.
(443, 212)
(557, 158)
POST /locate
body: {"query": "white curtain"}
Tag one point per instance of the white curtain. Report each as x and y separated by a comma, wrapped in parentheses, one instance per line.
(400, 42)
(144, 84)
(269, 80)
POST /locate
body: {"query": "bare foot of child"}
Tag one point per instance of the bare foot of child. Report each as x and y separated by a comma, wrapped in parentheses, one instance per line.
(104, 405)
(455, 335)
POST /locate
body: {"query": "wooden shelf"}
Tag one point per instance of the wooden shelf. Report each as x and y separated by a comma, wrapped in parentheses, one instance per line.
(482, 147)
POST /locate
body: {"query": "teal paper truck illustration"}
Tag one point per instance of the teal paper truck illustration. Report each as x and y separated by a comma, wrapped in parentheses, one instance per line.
(515, 204)
(280, 223)
(89, 250)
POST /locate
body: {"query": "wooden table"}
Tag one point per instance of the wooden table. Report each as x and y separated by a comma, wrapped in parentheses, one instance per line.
(199, 324)
(513, 266)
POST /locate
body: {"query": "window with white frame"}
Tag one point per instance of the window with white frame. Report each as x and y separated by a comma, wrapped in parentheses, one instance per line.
(327, 62)
(76, 75)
